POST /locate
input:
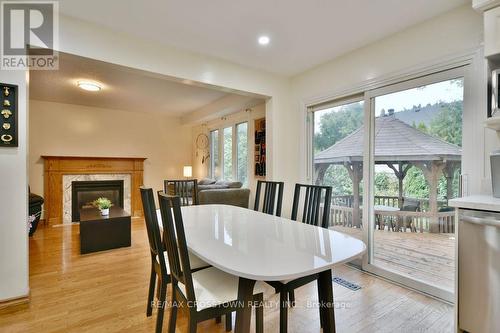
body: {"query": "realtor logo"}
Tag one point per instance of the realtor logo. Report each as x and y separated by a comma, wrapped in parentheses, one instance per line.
(29, 35)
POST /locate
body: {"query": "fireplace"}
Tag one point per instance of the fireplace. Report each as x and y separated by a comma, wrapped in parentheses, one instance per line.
(83, 193)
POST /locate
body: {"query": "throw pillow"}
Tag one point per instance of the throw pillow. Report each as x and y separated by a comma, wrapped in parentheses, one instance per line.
(206, 181)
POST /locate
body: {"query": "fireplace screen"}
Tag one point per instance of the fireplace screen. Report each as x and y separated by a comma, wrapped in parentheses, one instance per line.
(83, 193)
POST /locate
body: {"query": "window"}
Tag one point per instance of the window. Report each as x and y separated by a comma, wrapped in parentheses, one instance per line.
(214, 171)
(229, 153)
(242, 152)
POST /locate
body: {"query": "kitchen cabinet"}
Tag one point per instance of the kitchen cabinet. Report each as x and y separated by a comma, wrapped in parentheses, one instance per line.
(492, 33)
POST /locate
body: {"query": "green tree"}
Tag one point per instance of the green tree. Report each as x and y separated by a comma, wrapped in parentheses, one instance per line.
(386, 184)
(337, 124)
(338, 178)
(421, 127)
(447, 124)
(414, 184)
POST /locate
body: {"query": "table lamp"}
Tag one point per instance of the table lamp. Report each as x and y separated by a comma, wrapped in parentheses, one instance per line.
(188, 171)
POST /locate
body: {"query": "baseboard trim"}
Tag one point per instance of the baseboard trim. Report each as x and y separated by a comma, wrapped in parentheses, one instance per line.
(14, 302)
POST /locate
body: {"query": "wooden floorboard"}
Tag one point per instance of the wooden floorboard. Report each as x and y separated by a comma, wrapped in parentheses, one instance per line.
(423, 256)
(106, 292)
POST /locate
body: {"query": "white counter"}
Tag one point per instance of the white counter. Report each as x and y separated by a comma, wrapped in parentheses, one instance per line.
(480, 202)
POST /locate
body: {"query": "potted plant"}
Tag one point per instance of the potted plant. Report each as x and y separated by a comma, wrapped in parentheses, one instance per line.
(103, 204)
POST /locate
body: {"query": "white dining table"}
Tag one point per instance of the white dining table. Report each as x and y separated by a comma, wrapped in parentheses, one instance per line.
(259, 247)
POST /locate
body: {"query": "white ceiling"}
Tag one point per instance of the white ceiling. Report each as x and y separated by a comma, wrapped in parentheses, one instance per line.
(303, 33)
(123, 88)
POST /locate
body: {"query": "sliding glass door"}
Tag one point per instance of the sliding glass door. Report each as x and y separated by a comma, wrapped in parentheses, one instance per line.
(415, 161)
(393, 158)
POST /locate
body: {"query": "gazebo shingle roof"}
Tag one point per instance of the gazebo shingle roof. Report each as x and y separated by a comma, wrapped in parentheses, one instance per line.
(394, 141)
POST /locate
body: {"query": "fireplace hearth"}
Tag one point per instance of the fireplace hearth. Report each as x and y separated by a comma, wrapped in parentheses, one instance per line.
(83, 193)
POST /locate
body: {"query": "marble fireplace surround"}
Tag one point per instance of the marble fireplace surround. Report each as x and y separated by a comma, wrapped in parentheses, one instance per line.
(59, 171)
(67, 187)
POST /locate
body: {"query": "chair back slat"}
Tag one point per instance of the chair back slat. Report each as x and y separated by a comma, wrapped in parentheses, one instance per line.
(314, 197)
(316, 204)
(271, 204)
(306, 210)
(174, 238)
(185, 189)
(152, 227)
(311, 205)
(265, 203)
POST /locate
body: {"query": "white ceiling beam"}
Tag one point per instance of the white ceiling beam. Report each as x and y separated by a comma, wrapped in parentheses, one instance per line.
(220, 108)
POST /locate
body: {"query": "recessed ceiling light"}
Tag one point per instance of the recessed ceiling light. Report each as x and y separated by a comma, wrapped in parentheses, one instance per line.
(264, 40)
(89, 85)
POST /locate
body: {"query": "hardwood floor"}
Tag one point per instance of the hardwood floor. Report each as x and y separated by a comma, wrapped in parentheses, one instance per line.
(107, 291)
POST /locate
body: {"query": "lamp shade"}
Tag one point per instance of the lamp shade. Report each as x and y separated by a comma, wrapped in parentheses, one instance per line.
(188, 171)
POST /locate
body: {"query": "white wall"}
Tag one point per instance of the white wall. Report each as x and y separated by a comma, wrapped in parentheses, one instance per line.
(75, 130)
(431, 42)
(449, 34)
(14, 201)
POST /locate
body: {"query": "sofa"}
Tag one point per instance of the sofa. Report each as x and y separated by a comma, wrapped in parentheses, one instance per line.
(211, 191)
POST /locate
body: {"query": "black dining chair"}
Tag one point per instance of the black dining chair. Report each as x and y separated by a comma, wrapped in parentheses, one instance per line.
(314, 197)
(314, 210)
(208, 293)
(273, 197)
(186, 190)
(159, 265)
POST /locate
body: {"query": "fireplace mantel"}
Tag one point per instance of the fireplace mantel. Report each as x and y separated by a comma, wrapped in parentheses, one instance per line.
(57, 166)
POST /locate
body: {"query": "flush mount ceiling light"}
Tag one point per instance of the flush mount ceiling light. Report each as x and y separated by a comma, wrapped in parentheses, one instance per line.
(264, 40)
(89, 85)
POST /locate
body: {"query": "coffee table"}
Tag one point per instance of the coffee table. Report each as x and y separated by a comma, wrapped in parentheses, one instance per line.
(99, 233)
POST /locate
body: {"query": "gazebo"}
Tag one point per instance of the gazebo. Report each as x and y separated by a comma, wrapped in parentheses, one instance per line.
(399, 146)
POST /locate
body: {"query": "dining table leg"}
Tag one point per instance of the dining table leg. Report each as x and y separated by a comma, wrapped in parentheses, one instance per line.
(244, 312)
(326, 304)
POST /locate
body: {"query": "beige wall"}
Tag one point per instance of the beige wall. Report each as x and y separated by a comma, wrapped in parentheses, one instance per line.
(66, 129)
(97, 42)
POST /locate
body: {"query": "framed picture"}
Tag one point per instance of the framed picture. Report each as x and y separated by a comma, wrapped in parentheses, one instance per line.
(8, 116)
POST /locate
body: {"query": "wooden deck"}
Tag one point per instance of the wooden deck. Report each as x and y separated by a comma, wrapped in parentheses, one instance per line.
(427, 257)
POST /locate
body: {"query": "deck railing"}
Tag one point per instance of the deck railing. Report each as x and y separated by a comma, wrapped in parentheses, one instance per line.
(397, 220)
(390, 201)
